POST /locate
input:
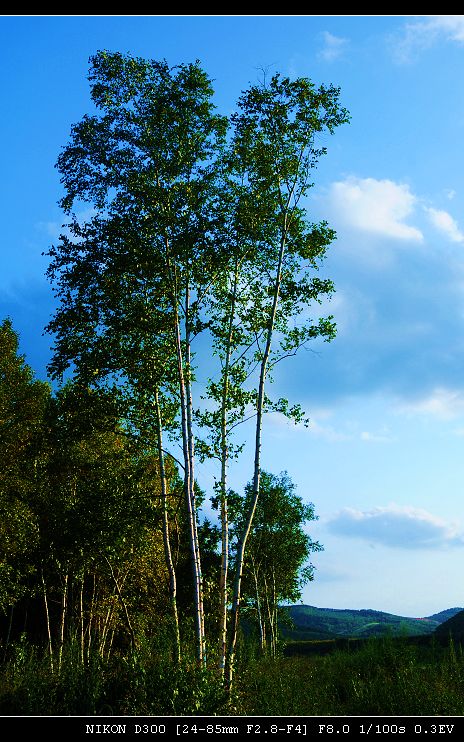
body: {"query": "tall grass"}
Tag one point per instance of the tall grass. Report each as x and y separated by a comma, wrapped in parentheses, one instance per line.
(381, 677)
(142, 682)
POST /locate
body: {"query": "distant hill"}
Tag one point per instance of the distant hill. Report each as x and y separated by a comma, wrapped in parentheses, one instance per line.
(311, 623)
(445, 615)
(452, 627)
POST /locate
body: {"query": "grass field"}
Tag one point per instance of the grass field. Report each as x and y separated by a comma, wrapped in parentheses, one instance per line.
(387, 676)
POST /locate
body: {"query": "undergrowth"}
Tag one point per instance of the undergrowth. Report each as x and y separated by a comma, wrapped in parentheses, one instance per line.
(380, 678)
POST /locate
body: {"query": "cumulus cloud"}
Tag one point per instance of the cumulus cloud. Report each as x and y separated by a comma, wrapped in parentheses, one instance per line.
(427, 30)
(396, 527)
(398, 306)
(376, 206)
(444, 222)
(451, 26)
(334, 47)
(442, 403)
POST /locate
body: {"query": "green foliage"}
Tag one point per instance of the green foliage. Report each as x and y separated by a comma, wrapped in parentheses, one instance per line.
(276, 564)
(453, 626)
(309, 621)
(81, 549)
(196, 226)
(384, 677)
(144, 163)
(146, 682)
(96, 499)
(381, 677)
(262, 295)
(131, 279)
(23, 401)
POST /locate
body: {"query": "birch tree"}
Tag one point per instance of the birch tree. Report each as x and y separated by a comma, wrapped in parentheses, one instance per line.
(137, 270)
(276, 147)
(188, 235)
(279, 548)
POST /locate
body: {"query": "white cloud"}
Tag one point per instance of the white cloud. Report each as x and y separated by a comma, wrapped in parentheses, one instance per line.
(282, 424)
(334, 47)
(442, 403)
(320, 427)
(443, 221)
(376, 206)
(451, 26)
(424, 32)
(375, 437)
(327, 432)
(396, 527)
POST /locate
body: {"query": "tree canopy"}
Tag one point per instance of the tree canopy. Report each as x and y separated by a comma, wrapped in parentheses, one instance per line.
(188, 255)
(279, 547)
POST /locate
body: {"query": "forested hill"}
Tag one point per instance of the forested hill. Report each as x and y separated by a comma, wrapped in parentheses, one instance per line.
(445, 615)
(325, 623)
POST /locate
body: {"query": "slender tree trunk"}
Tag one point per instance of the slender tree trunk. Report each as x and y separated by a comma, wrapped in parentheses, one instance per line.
(191, 515)
(198, 577)
(91, 617)
(47, 619)
(81, 621)
(271, 616)
(63, 619)
(166, 537)
(257, 463)
(189, 483)
(262, 633)
(124, 605)
(106, 627)
(8, 635)
(274, 612)
(223, 586)
(268, 612)
(110, 644)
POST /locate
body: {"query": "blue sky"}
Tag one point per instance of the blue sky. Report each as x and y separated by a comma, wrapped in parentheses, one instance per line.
(382, 460)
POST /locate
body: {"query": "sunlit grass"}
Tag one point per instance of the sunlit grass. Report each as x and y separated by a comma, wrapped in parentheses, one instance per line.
(378, 677)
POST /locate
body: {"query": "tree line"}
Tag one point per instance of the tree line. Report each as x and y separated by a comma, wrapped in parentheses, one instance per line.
(187, 254)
